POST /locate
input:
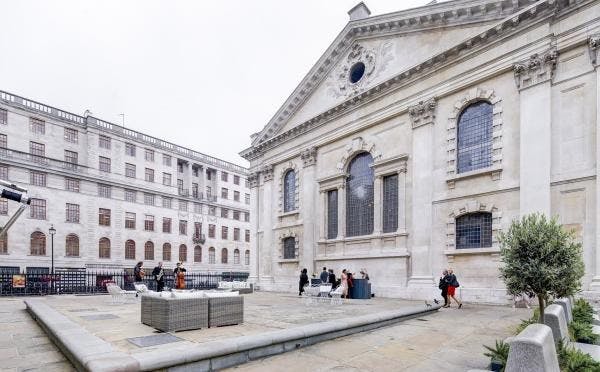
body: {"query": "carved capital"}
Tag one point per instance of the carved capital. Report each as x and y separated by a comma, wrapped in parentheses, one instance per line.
(539, 68)
(594, 47)
(422, 113)
(267, 173)
(253, 179)
(309, 156)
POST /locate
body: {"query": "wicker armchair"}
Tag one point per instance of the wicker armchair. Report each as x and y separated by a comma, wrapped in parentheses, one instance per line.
(174, 314)
(225, 311)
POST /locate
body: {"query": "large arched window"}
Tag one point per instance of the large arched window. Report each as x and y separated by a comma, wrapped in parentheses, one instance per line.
(289, 191)
(104, 248)
(247, 257)
(197, 253)
(72, 246)
(359, 196)
(474, 137)
(130, 250)
(38, 244)
(474, 230)
(289, 248)
(182, 253)
(4, 244)
(211, 255)
(167, 252)
(236, 257)
(149, 251)
(224, 255)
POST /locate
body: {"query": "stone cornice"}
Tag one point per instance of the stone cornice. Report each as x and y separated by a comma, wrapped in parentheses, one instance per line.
(422, 113)
(594, 47)
(309, 157)
(267, 172)
(536, 69)
(253, 179)
(525, 16)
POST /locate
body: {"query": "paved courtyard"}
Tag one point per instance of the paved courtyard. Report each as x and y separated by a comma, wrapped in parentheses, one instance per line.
(451, 338)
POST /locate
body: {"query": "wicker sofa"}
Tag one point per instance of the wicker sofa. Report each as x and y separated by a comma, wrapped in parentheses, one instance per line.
(225, 310)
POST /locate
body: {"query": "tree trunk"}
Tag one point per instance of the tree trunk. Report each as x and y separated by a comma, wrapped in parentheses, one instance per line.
(542, 304)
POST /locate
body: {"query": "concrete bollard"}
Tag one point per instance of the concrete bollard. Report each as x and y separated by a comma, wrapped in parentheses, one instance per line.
(533, 350)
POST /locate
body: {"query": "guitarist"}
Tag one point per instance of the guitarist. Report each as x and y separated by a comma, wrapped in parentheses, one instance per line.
(159, 276)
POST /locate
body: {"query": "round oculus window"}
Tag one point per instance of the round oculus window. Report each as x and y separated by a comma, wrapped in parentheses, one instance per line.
(356, 72)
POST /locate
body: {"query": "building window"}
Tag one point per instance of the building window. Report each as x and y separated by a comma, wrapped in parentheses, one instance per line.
(129, 220)
(166, 252)
(130, 250)
(224, 193)
(289, 191)
(167, 202)
(104, 191)
(72, 213)
(247, 236)
(247, 258)
(104, 217)
(208, 192)
(195, 171)
(197, 253)
(236, 215)
(236, 180)
(37, 178)
(179, 167)
(166, 225)
(3, 116)
(390, 203)
(182, 227)
(104, 164)
(224, 176)
(104, 142)
(208, 175)
(474, 150)
(224, 232)
(197, 230)
(130, 196)
(149, 173)
(4, 172)
(37, 126)
(167, 179)
(289, 248)
(130, 149)
(3, 141)
(149, 251)
(224, 255)
(236, 257)
(247, 198)
(195, 190)
(211, 230)
(149, 155)
(71, 135)
(246, 217)
(38, 244)
(182, 253)
(211, 255)
(332, 214)
(224, 212)
(166, 160)
(474, 230)
(104, 248)
(38, 149)
(236, 234)
(71, 184)
(72, 245)
(236, 196)
(183, 205)
(129, 170)
(359, 196)
(72, 158)
(148, 199)
(149, 223)
(212, 211)
(3, 207)
(37, 209)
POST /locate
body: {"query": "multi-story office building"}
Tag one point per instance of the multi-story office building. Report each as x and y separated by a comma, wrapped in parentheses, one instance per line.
(116, 196)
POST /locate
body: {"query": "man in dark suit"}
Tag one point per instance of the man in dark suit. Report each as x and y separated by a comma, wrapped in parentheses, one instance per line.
(331, 278)
(324, 276)
(159, 276)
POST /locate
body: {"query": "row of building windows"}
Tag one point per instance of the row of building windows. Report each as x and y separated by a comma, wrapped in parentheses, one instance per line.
(38, 248)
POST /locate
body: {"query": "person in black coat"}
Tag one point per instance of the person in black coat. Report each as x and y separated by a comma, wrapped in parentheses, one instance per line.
(444, 287)
(303, 281)
(159, 277)
(332, 279)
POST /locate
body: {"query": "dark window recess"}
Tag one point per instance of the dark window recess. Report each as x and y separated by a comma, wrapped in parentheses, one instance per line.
(359, 196)
(475, 137)
(289, 248)
(356, 72)
(289, 191)
(332, 214)
(474, 230)
(390, 203)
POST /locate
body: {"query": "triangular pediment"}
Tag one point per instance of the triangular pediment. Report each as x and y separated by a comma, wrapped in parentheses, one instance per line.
(386, 45)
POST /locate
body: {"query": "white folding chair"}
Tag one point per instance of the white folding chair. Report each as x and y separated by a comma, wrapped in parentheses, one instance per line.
(336, 296)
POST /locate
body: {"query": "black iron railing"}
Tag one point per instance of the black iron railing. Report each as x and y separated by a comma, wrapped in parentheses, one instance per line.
(92, 282)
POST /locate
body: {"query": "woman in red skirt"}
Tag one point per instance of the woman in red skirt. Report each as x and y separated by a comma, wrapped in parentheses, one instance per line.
(452, 282)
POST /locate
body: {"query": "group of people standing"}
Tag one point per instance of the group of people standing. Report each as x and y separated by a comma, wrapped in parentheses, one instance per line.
(448, 284)
(158, 275)
(328, 276)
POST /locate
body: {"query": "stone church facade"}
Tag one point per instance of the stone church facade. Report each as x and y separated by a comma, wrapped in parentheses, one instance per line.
(420, 135)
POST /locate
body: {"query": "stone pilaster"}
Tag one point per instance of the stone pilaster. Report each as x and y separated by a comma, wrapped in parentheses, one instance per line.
(309, 197)
(533, 78)
(402, 199)
(266, 251)
(255, 217)
(594, 49)
(377, 201)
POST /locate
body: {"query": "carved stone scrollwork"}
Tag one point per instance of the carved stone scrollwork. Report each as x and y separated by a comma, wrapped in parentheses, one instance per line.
(594, 47)
(309, 157)
(253, 179)
(422, 113)
(537, 69)
(267, 172)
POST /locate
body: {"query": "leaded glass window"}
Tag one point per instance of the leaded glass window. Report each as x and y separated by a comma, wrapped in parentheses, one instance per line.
(474, 230)
(289, 248)
(390, 203)
(289, 191)
(475, 137)
(332, 214)
(359, 196)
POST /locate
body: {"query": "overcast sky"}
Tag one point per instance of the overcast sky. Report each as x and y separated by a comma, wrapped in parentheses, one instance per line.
(201, 74)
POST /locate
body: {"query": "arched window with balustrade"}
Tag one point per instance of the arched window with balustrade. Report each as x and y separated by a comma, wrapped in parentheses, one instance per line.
(149, 251)
(38, 244)
(104, 248)
(182, 253)
(211, 255)
(72, 245)
(247, 257)
(474, 137)
(166, 254)
(197, 253)
(130, 250)
(236, 257)
(224, 255)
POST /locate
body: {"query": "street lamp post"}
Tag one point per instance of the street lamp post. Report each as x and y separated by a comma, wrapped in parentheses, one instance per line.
(52, 232)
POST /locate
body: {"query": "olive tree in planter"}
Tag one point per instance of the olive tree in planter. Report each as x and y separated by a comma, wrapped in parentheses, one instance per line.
(541, 259)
